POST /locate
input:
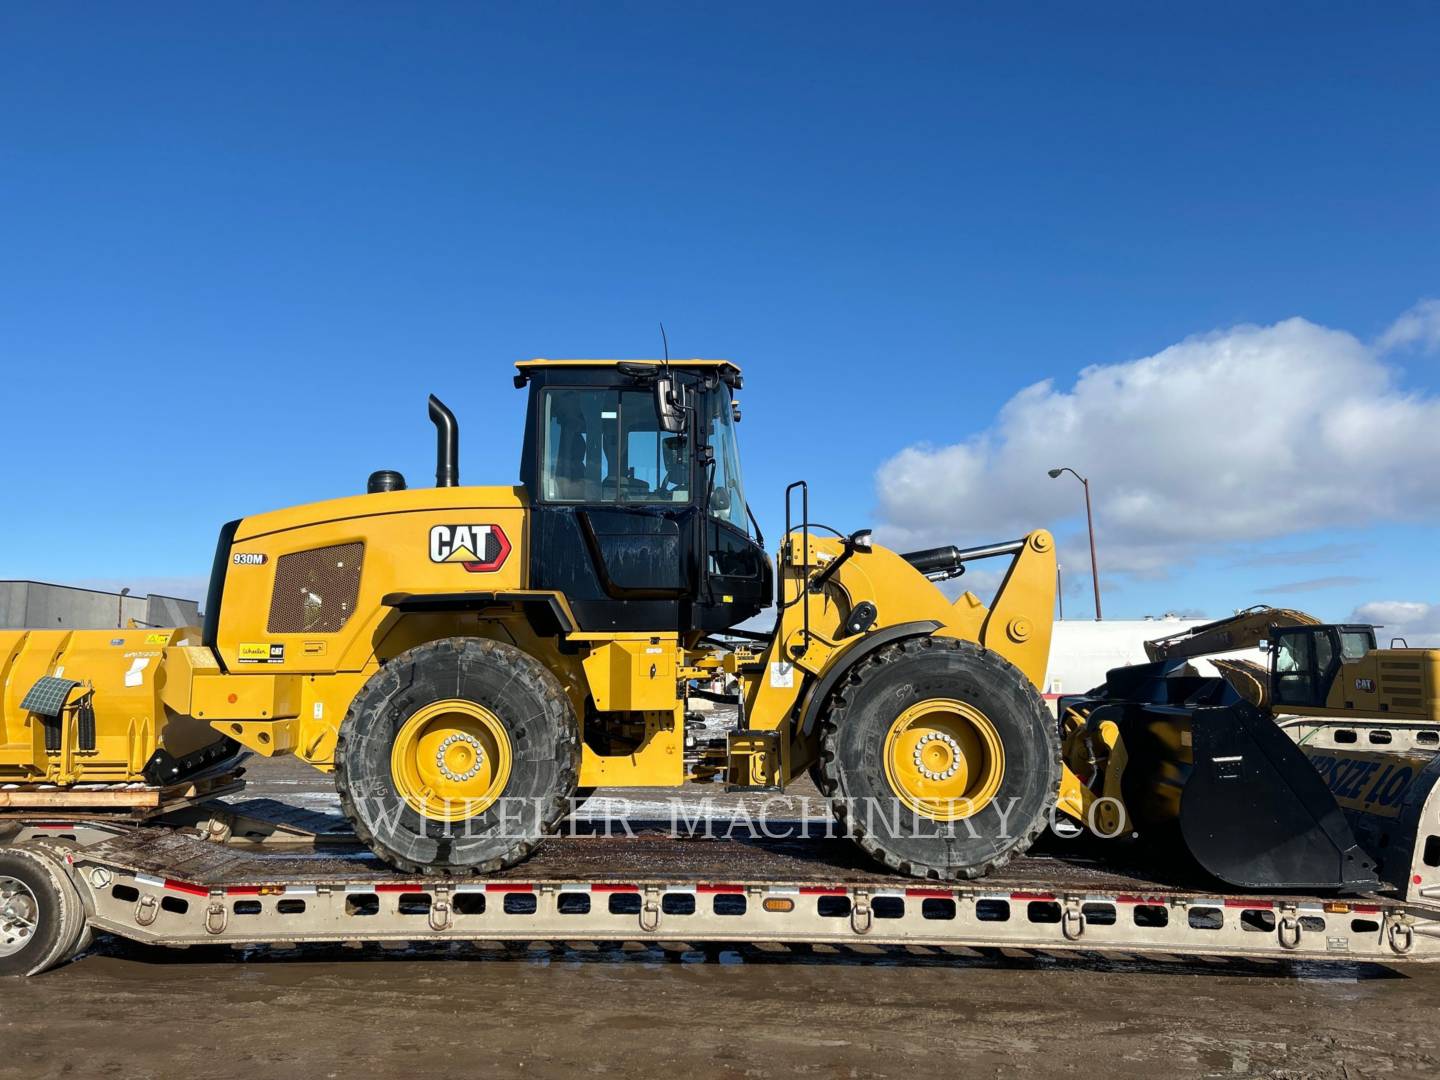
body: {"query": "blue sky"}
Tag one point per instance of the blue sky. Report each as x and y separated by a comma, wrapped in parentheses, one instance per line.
(241, 244)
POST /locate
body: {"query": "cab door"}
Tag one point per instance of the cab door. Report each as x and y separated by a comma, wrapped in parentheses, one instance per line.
(614, 509)
(1305, 660)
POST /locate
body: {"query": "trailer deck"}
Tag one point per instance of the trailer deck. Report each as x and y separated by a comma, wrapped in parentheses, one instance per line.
(168, 886)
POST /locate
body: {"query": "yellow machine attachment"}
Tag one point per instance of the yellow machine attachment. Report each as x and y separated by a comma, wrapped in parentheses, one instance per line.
(465, 660)
(91, 707)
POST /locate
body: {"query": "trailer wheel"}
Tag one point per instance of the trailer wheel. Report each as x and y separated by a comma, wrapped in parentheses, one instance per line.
(939, 758)
(42, 918)
(457, 756)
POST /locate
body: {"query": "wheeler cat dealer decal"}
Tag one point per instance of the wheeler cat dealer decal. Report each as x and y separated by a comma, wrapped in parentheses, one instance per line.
(261, 652)
(480, 549)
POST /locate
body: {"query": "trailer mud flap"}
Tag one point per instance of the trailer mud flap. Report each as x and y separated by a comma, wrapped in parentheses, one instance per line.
(1256, 814)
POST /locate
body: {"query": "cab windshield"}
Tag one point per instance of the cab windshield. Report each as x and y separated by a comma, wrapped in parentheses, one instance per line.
(727, 497)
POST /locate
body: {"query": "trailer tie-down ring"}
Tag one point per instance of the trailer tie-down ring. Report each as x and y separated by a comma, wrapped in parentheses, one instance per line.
(1289, 931)
(1072, 921)
(650, 910)
(146, 908)
(1401, 936)
(861, 917)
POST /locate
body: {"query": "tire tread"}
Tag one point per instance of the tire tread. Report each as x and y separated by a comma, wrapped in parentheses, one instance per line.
(1005, 676)
(520, 665)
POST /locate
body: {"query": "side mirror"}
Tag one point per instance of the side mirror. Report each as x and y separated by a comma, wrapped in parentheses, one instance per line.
(669, 405)
(720, 500)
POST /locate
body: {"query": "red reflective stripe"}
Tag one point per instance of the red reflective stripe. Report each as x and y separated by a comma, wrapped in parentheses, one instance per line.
(721, 888)
(1366, 909)
(937, 894)
(505, 886)
(1032, 896)
(615, 888)
(244, 890)
(398, 887)
(822, 890)
(1258, 905)
(181, 886)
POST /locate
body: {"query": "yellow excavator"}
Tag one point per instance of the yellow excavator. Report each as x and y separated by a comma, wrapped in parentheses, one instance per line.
(1302, 772)
(464, 660)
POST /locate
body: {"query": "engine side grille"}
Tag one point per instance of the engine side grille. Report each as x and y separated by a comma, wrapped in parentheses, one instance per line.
(315, 590)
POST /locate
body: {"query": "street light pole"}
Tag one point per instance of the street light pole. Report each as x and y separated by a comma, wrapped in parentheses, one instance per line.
(1094, 565)
(1090, 525)
(120, 609)
(1060, 590)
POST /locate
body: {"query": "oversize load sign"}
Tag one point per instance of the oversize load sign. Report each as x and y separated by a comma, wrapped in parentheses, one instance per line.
(480, 549)
(1375, 783)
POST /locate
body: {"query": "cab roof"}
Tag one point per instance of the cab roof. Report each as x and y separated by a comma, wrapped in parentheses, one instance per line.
(529, 365)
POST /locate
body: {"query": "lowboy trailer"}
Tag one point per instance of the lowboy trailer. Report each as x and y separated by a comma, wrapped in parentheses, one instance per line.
(204, 876)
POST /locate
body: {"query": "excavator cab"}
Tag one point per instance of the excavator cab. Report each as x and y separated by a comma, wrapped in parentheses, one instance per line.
(1304, 660)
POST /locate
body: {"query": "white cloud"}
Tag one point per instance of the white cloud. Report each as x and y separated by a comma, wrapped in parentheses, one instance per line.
(1223, 439)
(1415, 621)
(1420, 326)
(1339, 581)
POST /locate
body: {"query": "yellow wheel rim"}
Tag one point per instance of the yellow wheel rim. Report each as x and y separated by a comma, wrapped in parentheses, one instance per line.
(944, 759)
(451, 760)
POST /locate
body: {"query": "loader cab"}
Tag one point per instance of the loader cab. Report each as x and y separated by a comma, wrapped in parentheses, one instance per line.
(638, 511)
(1304, 660)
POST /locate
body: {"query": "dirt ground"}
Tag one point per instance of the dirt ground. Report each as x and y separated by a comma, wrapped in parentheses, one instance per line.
(123, 1010)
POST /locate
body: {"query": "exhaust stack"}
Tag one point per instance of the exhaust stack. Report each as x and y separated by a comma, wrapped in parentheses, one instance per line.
(447, 444)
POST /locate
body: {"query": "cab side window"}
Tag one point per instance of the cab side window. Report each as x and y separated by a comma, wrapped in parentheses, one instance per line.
(1356, 644)
(607, 446)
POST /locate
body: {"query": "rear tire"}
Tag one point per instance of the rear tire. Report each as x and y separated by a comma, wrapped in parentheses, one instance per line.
(985, 754)
(457, 756)
(42, 919)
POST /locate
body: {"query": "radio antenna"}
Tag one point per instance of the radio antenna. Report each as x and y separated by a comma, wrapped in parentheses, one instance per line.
(666, 342)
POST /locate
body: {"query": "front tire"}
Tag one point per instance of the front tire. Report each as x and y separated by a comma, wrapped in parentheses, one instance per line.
(939, 758)
(457, 756)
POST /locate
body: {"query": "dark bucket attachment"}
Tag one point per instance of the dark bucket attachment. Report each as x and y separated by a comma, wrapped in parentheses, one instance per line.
(1256, 814)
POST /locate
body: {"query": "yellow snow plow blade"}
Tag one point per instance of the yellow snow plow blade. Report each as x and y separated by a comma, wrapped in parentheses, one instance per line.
(89, 706)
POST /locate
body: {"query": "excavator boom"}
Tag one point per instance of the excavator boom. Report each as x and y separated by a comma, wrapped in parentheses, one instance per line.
(1243, 630)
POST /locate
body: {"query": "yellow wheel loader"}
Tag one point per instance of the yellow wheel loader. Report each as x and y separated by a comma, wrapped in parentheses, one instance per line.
(465, 659)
